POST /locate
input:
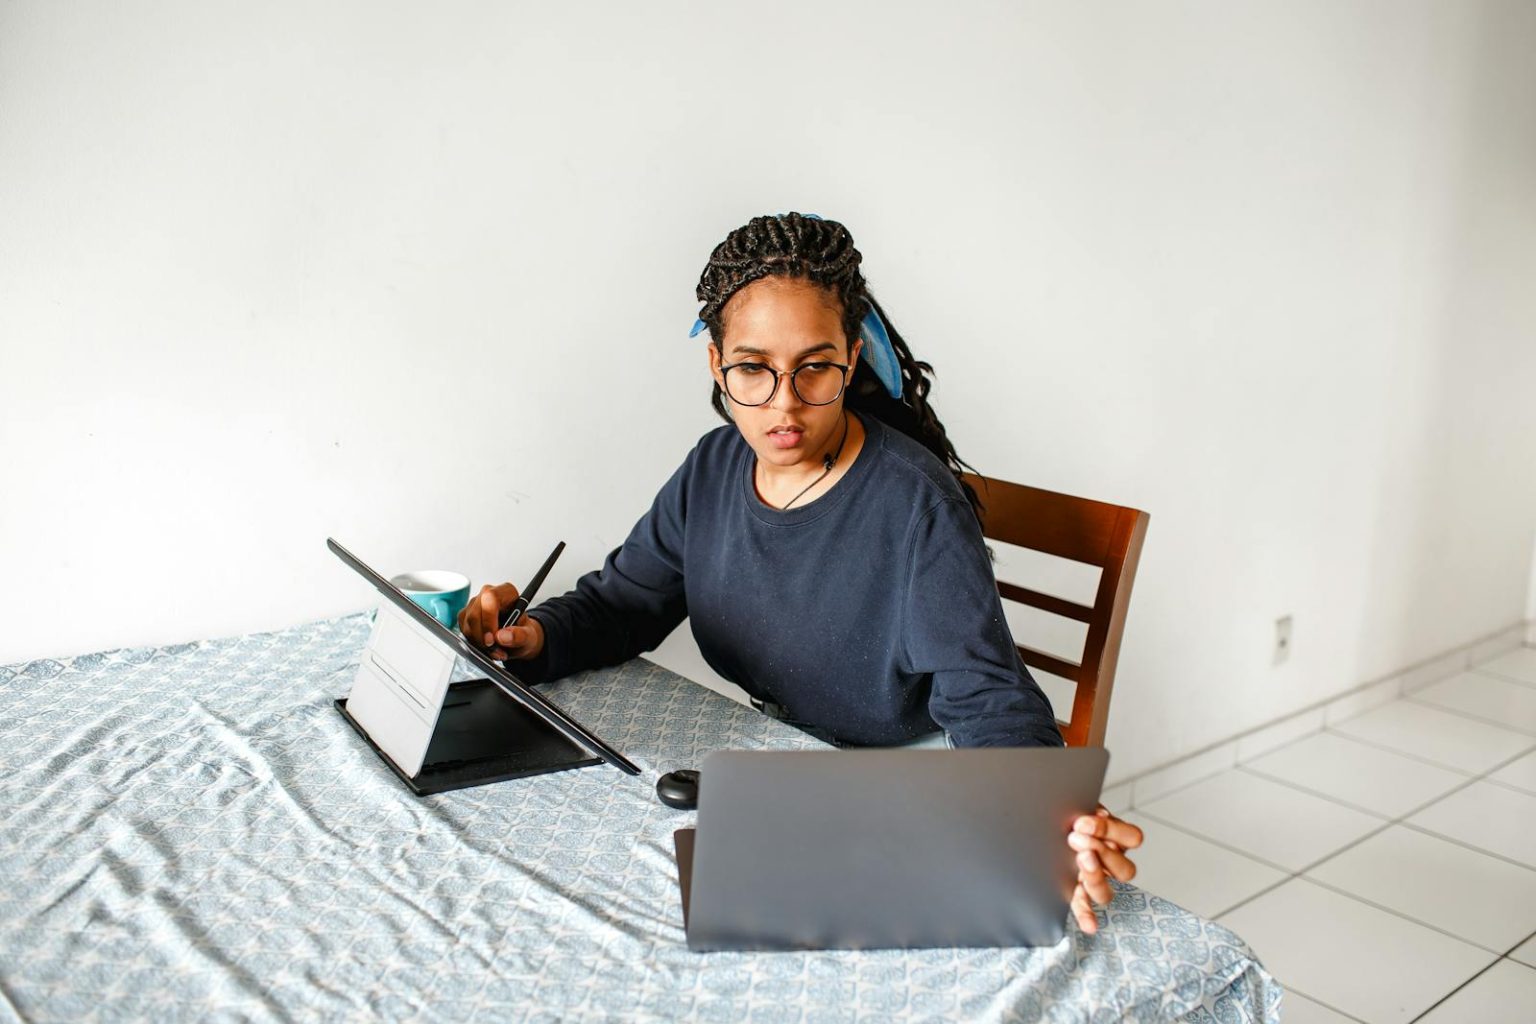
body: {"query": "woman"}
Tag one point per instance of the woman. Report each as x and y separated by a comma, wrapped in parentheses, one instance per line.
(827, 554)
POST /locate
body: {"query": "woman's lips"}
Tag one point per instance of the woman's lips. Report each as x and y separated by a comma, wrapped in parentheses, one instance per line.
(786, 438)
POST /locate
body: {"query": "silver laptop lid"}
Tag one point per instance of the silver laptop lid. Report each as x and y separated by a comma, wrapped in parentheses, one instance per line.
(868, 849)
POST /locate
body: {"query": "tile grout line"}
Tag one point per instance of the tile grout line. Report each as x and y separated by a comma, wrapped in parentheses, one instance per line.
(1509, 953)
(1431, 1007)
(1359, 899)
(1468, 846)
(1469, 716)
(1507, 785)
(1405, 823)
(1184, 785)
(1345, 803)
(1527, 683)
(1302, 876)
(1328, 1006)
(1435, 764)
(1214, 842)
(1249, 899)
(1398, 913)
(1345, 849)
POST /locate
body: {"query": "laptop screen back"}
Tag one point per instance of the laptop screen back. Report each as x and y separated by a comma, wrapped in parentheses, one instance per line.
(887, 848)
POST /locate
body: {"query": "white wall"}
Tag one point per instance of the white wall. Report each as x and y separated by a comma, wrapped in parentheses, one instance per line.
(1530, 603)
(419, 277)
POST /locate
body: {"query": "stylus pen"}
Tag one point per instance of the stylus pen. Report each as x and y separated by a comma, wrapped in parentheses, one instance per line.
(519, 606)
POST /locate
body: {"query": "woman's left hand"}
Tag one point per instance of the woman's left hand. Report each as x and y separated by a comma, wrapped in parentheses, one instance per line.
(1100, 841)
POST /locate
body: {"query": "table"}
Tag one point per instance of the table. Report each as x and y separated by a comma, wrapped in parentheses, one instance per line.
(193, 832)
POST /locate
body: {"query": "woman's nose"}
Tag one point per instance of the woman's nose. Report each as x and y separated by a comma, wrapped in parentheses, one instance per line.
(785, 397)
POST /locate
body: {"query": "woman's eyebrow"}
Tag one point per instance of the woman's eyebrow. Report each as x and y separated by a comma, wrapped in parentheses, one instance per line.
(747, 350)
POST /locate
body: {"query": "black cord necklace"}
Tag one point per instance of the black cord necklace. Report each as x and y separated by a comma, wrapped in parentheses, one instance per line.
(827, 460)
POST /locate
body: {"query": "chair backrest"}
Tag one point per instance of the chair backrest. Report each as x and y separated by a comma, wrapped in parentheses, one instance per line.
(1108, 536)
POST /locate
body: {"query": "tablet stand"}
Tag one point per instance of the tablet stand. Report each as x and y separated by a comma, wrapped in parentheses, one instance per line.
(483, 736)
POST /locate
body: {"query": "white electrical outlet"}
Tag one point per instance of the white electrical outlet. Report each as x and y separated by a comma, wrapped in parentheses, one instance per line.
(1282, 638)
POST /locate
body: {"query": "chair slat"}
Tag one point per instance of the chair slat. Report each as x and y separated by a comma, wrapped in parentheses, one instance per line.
(1046, 602)
(1058, 524)
(1049, 663)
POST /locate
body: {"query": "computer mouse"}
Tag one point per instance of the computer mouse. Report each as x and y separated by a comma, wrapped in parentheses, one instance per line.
(679, 789)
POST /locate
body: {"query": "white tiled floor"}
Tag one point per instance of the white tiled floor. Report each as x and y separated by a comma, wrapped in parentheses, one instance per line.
(1197, 874)
(1266, 820)
(1443, 737)
(1384, 869)
(1503, 994)
(1521, 773)
(1490, 698)
(1372, 779)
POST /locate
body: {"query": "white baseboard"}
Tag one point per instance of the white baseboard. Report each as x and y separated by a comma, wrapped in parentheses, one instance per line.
(1500, 643)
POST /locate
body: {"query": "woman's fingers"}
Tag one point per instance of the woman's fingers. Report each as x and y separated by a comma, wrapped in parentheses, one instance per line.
(1090, 874)
(482, 615)
(469, 623)
(514, 637)
(1087, 920)
(1106, 854)
(489, 610)
(1093, 856)
(1104, 825)
(520, 642)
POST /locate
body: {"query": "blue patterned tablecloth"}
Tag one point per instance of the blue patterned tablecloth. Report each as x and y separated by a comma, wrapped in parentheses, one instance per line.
(192, 832)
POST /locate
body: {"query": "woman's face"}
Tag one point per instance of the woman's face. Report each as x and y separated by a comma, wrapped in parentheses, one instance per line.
(784, 323)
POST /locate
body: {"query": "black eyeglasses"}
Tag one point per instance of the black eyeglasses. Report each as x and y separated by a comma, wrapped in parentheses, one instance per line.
(817, 383)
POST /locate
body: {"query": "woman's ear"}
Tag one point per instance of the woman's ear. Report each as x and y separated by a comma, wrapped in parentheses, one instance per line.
(853, 353)
(714, 364)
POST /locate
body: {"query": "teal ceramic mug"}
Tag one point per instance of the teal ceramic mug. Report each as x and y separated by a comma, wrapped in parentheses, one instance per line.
(441, 593)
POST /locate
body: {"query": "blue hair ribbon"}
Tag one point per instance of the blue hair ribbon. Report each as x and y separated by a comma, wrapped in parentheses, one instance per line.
(878, 351)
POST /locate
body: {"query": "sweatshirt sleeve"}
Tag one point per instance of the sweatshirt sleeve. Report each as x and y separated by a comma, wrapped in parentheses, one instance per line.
(953, 627)
(629, 605)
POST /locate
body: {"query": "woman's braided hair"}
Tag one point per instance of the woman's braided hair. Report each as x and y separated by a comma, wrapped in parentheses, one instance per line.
(822, 252)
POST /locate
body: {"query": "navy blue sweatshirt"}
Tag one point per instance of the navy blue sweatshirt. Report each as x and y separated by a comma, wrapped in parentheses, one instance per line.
(870, 613)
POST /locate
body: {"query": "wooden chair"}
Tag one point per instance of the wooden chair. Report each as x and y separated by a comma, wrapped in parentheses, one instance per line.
(1108, 536)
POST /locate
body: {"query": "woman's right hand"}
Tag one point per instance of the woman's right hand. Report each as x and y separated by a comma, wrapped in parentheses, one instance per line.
(478, 624)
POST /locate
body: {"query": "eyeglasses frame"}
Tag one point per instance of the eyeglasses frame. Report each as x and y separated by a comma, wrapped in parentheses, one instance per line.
(778, 376)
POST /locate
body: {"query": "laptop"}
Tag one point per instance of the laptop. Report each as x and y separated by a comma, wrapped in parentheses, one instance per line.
(880, 849)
